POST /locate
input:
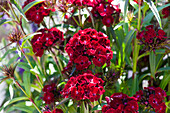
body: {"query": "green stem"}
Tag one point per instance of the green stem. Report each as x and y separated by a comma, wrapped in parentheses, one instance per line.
(27, 96)
(56, 60)
(10, 6)
(136, 46)
(76, 21)
(29, 62)
(80, 20)
(91, 16)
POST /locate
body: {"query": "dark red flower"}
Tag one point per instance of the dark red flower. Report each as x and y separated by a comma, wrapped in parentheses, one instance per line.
(86, 86)
(108, 20)
(48, 88)
(151, 38)
(82, 62)
(57, 111)
(37, 12)
(154, 100)
(161, 108)
(119, 103)
(166, 11)
(137, 1)
(46, 39)
(151, 97)
(83, 2)
(99, 60)
(89, 45)
(48, 97)
(54, 111)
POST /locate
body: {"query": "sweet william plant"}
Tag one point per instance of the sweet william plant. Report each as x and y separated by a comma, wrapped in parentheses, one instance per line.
(86, 56)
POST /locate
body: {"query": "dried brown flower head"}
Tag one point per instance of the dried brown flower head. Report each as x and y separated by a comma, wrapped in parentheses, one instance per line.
(4, 4)
(63, 5)
(15, 36)
(8, 72)
(50, 3)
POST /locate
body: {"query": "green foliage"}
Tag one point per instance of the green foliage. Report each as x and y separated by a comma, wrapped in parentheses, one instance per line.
(132, 64)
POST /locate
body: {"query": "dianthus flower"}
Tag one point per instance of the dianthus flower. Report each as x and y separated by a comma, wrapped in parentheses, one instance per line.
(151, 38)
(137, 1)
(120, 103)
(90, 3)
(50, 93)
(37, 12)
(85, 86)
(152, 97)
(88, 47)
(166, 11)
(107, 11)
(46, 39)
(54, 111)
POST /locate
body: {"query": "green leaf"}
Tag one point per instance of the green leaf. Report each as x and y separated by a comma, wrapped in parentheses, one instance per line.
(38, 89)
(119, 24)
(125, 8)
(27, 38)
(4, 21)
(168, 93)
(24, 65)
(11, 91)
(27, 82)
(152, 61)
(142, 77)
(164, 69)
(134, 4)
(135, 85)
(97, 107)
(13, 101)
(155, 11)
(165, 80)
(7, 52)
(21, 107)
(149, 16)
(17, 6)
(28, 6)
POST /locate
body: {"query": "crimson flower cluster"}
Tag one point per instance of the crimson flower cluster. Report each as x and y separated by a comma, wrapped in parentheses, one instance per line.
(152, 97)
(54, 111)
(90, 3)
(51, 93)
(120, 103)
(107, 11)
(166, 11)
(150, 37)
(46, 39)
(85, 86)
(88, 46)
(48, 93)
(37, 12)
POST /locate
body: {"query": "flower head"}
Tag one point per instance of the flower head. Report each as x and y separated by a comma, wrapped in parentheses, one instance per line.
(166, 11)
(119, 102)
(88, 47)
(8, 71)
(37, 12)
(152, 97)
(15, 36)
(45, 40)
(151, 38)
(85, 86)
(51, 93)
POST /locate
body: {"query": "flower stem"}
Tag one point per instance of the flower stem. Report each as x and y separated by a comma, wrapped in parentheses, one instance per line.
(80, 17)
(27, 96)
(91, 16)
(56, 60)
(29, 62)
